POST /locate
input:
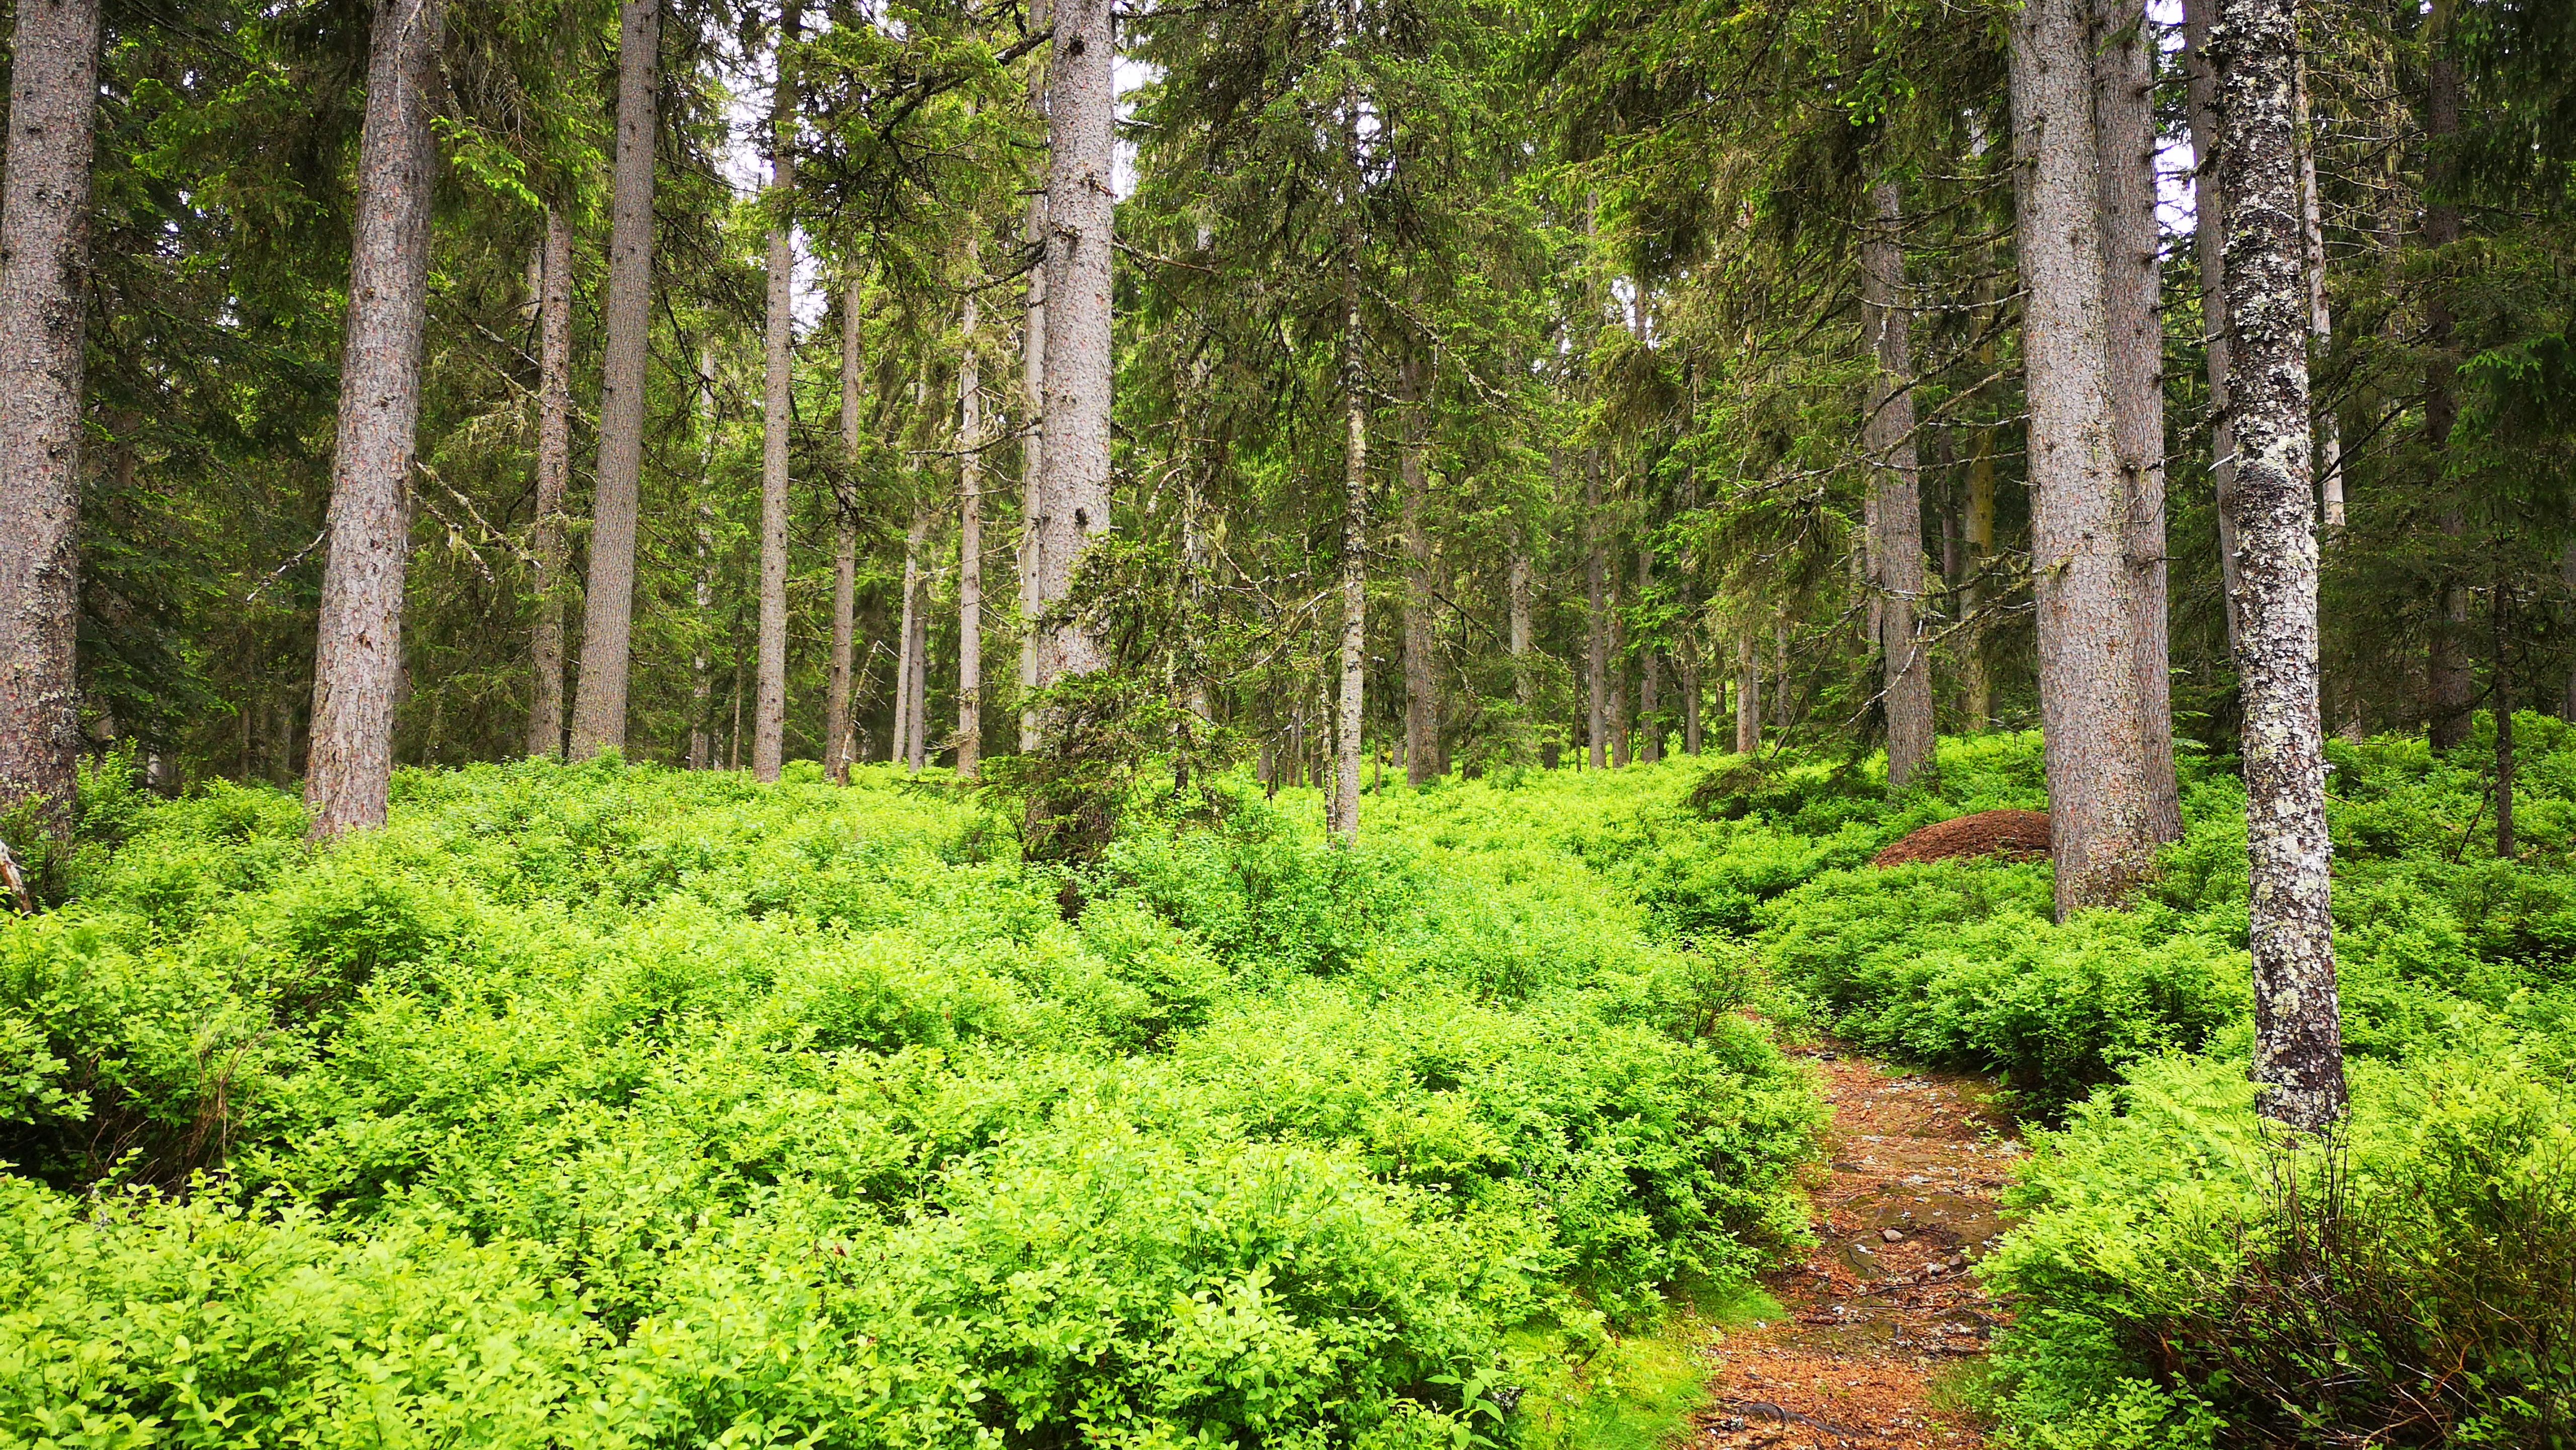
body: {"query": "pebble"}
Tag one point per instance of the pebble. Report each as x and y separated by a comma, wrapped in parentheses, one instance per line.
(1891, 1235)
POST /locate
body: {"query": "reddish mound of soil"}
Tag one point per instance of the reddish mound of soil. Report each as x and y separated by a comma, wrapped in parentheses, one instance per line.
(1987, 833)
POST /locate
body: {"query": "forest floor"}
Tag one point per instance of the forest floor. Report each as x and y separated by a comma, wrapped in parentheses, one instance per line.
(1884, 1315)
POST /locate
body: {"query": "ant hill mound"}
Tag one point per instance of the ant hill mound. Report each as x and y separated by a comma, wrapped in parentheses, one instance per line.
(1987, 833)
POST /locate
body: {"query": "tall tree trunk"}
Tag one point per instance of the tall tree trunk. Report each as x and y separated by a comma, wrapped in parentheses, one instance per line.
(1650, 727)
(2133, 346)
(837, 733)
(2209, 220)
(608, 602)
(2453, 677)
(1345, 821)
(970, 535)
(1618, 684)
(1033, 509)
(908, 663)
(1081, 96)
(357, 661)
(554, 478)
(1694, 734)
(44, 253)
(2312, 253)
(2502, 706)
(778, 414)
(2298, 1048)
(2101, 823)
(1895, 487)
(1748, 696)
(1421, 682)
(1518, 605)
(703, 590)
(1596, 640)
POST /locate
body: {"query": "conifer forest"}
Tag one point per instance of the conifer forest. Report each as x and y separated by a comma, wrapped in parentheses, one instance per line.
(1288, 724)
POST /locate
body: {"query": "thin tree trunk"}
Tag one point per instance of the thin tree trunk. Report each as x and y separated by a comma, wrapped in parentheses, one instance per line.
(1345, 821)
(1518, 587)
(2298, 1049)
(920, 728)
(357, 662)
(2101, 825)
(1421, 682)
(1033, 484)
(837, 732)
(608, 601)
(1618, 685)
(907, 664)
(1895, 487)
(2502, 705)
(554, 478)
(1748, 696)
(2209, 219)
(703, 592)
(733, 741)
(1650, 729)
(778, 408)
(970, 535)
(1596, 653)
(2133, 347)
(1694, 734)
(2453, 677)
(2312, 252)
(1081, 95)
(44, 254)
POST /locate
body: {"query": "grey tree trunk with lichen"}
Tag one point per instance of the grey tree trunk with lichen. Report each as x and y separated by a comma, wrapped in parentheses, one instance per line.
(2209, 214)
(769, 714)
(608, 601)
(1347, 716)
(1896, 515)
(2102, 835)
(1421, 682)
(970, 535)
(845, 547)
(2298, 1046)
(1081, 111)
(357, 658)
(44, 250)
(554, 479)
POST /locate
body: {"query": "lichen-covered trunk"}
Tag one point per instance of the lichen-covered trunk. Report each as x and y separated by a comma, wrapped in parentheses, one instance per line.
(769, 712)
(1347, 719)
(703, 554)
(1895, 490)
(1686, 667)
(2312, 257)
(1081, 110)
(1650, 704)
(1596, 639)
(2133, 349)
(2451, 675)
(44, 252)
(608, 601)
(2298, 1047)
(554, 478)
(1421, 681)
(908, 664)
(837, 734)
(2209, 218)
(970, 537)
(1518, 586)
(357, 659)
(2101, 826)
(1748, 696)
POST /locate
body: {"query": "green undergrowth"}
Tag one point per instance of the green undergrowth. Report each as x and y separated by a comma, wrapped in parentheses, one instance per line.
(1631, 1391)
(2179, 1281)
(613, 1105)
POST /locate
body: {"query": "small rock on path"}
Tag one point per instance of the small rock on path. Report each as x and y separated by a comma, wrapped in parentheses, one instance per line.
(1887, 1305)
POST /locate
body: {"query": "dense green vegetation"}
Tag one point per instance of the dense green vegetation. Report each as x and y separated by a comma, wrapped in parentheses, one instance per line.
(621, 1105)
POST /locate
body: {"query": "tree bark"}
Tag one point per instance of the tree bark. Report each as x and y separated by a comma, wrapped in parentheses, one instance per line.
(2312, 252)
(2298, 1050)
(1033, 509)
(1896, 490)
(778, 411)
(2502, 706)
(1596, 640)
(1748, 696)
(837, 735)
(608, 602)
(2133, 328)
(2100, 819)
(1345, 821)
(970, 535)
(908, 661)
(1650, 729)
(1421, 682)
(554, 479)
(2452, 677)
(1518, 587)
(703, 550)
(44, 253)
(1081, 96)
(2209, 219)
(357, 662)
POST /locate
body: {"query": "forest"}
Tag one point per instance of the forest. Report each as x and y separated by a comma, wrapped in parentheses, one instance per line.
(1288, 724)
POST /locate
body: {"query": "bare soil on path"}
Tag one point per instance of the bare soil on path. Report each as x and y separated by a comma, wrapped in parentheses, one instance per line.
(1885, 1310)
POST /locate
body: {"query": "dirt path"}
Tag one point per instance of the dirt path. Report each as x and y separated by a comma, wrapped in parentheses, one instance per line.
(1883, 1310)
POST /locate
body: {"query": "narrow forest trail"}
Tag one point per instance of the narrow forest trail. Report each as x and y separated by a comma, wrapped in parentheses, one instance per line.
(1884, 1309)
